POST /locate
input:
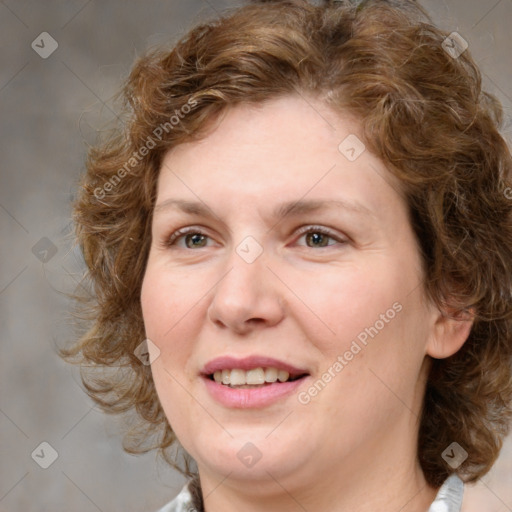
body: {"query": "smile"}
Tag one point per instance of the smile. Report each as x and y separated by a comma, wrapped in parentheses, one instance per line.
(251, 382)
(256, 377)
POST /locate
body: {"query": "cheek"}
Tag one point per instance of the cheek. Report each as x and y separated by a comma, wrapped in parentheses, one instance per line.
(153, 303)
(374, 321)
(162, 311)
(171, 303)
(164, 301)
(342, 303)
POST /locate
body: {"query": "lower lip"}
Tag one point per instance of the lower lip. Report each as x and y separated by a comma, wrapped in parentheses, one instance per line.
(255, 397)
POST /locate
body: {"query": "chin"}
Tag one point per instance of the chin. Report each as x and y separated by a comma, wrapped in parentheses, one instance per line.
(250, 461)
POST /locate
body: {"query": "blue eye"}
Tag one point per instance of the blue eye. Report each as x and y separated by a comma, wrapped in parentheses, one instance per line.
(195, 238)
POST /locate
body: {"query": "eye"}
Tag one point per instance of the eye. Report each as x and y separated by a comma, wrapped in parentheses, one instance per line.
(194, 238)
(319, 236)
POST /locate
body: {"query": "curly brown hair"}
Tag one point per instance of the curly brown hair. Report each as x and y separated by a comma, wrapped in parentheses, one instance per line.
(423, 113)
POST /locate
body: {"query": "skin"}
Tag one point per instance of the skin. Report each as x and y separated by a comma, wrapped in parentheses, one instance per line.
(303, 301)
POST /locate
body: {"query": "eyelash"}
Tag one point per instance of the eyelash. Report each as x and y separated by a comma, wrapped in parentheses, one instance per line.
(171, 240)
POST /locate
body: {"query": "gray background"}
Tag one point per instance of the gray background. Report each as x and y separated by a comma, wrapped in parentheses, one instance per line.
(50, 109)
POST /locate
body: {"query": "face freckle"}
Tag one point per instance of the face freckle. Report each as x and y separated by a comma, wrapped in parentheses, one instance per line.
(351, 315)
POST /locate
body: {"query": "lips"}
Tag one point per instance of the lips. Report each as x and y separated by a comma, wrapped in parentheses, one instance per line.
(241, 396)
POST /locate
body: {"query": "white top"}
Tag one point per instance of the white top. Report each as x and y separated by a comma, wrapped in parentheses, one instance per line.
(448, 499)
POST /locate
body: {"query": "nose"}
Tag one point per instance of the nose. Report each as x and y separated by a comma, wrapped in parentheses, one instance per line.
(248, 297)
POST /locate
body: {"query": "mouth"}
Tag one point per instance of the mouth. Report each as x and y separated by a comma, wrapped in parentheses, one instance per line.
(251, 372)
(253, 382)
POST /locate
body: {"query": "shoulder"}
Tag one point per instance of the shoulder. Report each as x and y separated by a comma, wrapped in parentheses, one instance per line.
(181, 503)
(449, 496)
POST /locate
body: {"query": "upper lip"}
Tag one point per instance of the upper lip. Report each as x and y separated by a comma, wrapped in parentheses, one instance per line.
(249, 363)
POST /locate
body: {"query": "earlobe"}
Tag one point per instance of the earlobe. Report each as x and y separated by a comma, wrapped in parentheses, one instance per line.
(450, 332)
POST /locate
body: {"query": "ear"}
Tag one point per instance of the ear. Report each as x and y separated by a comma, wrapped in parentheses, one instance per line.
(450, 331)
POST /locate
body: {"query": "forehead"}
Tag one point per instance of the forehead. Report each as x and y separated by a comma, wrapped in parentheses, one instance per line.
(282, 150)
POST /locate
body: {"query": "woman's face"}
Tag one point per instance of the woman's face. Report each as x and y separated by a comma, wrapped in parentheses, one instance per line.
(258, 285)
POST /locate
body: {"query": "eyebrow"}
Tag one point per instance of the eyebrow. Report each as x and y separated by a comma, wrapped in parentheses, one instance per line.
(282, 210)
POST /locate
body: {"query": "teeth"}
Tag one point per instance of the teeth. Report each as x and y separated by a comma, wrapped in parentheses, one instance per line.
(282, 376)
(237, 377)
(255, 377)
(271, 374)
(226, 377)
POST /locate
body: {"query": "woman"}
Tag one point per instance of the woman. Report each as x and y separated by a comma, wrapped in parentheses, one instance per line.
(301, 251)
